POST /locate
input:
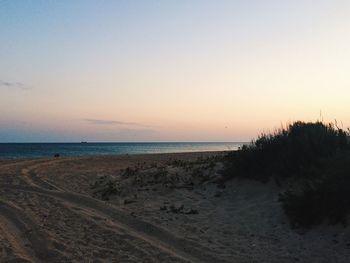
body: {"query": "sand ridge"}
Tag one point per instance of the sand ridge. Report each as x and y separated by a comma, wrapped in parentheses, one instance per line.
(161, 241)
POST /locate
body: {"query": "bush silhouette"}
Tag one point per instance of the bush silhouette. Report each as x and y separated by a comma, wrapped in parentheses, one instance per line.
(323, 197)
(313, 157)
(288, 151)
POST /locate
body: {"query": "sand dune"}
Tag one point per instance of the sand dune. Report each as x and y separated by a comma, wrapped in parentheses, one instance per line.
(167, 209)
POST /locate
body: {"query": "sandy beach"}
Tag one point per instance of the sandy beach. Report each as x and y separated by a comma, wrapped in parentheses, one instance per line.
(149, 208)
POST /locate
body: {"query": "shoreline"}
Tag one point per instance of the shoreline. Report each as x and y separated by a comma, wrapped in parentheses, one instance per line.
(111, 155)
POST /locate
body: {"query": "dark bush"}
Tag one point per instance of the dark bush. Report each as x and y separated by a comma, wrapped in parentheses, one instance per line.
(104, 187)
(287, 152)
(324, 197)
(314, 158)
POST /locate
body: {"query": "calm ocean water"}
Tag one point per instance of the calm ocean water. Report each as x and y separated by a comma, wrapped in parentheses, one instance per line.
(34, 150)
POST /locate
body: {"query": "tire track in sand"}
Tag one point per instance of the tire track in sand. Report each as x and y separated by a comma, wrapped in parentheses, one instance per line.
(24, 235)
(158, 237)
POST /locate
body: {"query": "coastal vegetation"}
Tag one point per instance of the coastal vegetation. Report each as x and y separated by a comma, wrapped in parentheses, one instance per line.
(310, 160)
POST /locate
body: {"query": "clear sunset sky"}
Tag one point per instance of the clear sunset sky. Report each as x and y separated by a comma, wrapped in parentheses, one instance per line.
(180, 70)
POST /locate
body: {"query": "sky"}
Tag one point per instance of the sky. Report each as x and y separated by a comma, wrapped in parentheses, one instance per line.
(177, 70)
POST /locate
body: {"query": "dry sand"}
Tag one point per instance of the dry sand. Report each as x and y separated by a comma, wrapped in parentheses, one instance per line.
(149, 208)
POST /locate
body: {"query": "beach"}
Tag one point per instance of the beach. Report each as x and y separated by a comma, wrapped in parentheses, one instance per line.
(150, 208)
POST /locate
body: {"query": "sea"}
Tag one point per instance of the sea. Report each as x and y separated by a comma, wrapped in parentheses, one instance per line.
(37, 150)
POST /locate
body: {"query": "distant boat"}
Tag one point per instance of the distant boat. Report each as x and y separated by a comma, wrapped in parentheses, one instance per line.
(83, 142)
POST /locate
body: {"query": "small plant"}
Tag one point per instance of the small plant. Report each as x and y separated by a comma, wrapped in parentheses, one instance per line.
(129, 171)
(160, 173)
(104, 187)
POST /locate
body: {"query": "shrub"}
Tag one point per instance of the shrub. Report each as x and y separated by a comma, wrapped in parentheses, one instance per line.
(104, 188)
(314, 157)
(325, 197)
(287, 151)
